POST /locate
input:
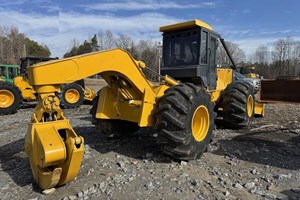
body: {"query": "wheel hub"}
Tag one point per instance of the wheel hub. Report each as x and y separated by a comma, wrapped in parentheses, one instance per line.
(72, 96)
(250, 106)
(6, 98)
(200, 123)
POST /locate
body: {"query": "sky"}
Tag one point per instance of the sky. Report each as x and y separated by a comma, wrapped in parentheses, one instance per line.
(56, 23)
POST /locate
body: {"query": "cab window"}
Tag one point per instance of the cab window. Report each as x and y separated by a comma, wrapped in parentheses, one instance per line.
(203, 50)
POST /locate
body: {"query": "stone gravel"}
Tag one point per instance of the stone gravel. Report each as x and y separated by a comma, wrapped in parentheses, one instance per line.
(261, 162)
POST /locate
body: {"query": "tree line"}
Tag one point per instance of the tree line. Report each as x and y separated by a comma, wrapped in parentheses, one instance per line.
(281, 59)
(15, 45)
(146, 50)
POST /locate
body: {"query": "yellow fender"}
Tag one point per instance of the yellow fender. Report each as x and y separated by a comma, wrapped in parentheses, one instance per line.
(259, 109)
(26, 89)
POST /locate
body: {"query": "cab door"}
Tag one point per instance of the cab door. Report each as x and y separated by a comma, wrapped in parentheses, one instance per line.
(212, 65)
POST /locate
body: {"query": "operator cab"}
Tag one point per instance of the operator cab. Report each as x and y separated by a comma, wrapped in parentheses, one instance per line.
(9, 72)
(189, 52)
(30, 60)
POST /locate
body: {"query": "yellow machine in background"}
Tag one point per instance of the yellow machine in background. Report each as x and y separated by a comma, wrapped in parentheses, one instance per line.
(249, 71)
(18, 90)
(72, 94)
(182, 112)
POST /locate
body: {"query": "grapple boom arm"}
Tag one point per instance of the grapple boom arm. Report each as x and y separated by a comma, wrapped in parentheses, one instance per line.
(55, 151)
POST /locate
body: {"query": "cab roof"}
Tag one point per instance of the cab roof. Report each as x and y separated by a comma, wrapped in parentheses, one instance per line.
(183, 25)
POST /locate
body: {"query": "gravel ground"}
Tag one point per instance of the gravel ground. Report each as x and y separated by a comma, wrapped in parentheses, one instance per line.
(261, 162)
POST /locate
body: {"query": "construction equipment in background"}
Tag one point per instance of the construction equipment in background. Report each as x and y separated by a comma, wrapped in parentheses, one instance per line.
(249, 71)
(182, 112)
(9, 72)
(255, 82)
(15, 88)
(284, 89)
(10, 95)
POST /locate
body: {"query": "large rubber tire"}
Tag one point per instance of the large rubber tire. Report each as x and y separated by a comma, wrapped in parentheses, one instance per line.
(238, 105)
(10, 98)
(112, 128)
(184, 121)
(71, 95)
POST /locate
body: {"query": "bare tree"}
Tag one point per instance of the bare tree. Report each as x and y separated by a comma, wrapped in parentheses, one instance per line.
(262, 54)
(282, 55)
(75, 43)
(11, 45)
(296, 57)
(14, 45)
(261, 58)
(236, 52)
(17, 41)
(124, 42)
(3, 43)
(148, 51)
(106, 40)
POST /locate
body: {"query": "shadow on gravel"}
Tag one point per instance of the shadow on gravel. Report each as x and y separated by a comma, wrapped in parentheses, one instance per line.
(86, 118)
(292, 193)
(268, 148)
(141, 146)
(27, 105)
(32, 104)
(14, 162)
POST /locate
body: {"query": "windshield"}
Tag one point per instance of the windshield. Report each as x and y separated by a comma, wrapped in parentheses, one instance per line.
(181, 49)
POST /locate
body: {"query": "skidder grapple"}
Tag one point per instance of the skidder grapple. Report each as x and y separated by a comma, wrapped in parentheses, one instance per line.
(181, 111)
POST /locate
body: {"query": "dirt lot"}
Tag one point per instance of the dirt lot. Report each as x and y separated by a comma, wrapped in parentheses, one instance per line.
(261, 162)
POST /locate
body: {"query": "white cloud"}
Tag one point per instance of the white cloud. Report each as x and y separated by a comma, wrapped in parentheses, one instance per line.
(15, 2)
(57, 31)
(246, 11)
(214, 18)
(29, 21)
(250, 44)
(50, 8)
(146, 5)
(151, 21)
(250, 39)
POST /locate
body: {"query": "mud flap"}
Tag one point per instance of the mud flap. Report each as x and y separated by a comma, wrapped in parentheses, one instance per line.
(259, 109)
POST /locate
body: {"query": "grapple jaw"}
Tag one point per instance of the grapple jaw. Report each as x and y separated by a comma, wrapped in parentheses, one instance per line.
(54, 149)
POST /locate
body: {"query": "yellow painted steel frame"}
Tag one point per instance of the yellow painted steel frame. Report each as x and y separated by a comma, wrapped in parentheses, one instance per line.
(54, 149)
(27, 90)
(259, 109)
(251, 75)
(54, 159)
(128, 90)
(184, 25)
(89, 94)
(224, 76)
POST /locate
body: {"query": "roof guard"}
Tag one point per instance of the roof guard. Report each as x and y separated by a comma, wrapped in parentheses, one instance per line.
(183, 25)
